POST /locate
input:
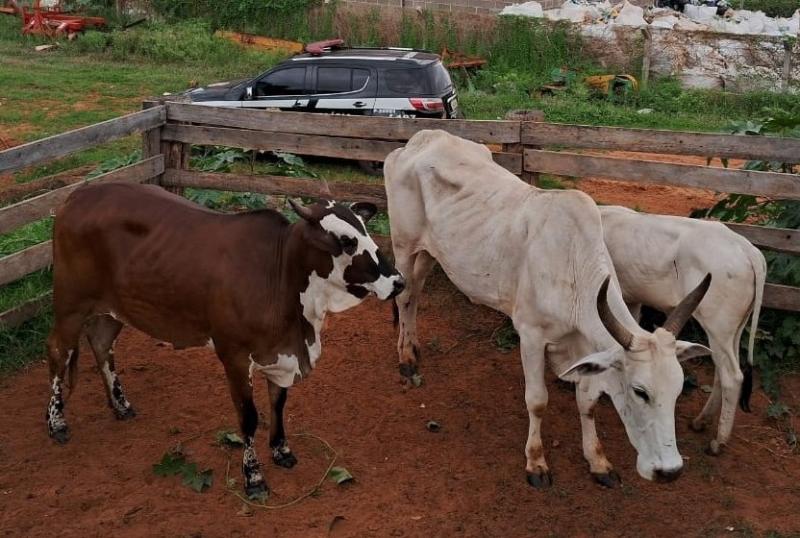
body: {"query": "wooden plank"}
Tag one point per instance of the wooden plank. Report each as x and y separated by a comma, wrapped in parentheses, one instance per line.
(776, 239)
(374, 127)
(277, 185)
(646, 140)
(322, 146)
(17, 265)
(151, 139)
(41, 206)
(63, 144)
(769, 184)
(20, 314)
(782, 297)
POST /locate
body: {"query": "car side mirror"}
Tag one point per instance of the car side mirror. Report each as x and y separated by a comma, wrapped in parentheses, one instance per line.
(248, 93)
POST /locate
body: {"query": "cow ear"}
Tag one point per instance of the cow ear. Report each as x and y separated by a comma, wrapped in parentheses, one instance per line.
(594, 363)
(365, 210)
(687, 350)
(323, 240)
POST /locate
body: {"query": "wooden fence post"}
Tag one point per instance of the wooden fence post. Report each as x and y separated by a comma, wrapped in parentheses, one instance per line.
(522, 116)
(647, 46)
(177, 155)
(151, 141)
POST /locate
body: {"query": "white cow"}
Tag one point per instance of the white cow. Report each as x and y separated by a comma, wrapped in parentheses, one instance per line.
(660, 258)
(539, 257)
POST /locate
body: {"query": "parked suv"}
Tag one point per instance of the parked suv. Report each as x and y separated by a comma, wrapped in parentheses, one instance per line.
(372, 82)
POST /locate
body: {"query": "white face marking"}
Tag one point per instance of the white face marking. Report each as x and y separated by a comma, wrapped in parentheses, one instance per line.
(282, 372)
(210, 344)
(384, 285)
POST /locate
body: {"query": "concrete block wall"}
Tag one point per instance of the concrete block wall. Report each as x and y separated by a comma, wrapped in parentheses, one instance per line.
(468, 6)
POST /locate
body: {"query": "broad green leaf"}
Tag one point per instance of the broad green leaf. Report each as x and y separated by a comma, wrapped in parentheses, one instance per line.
(340, 475)
(171, 464)
(229, 438)
(199, 481)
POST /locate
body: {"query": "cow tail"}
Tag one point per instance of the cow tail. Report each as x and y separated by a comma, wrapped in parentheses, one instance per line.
(760, 276)
(395, 314)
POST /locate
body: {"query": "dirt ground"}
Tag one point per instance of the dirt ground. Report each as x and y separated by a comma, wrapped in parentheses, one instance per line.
(466, 480)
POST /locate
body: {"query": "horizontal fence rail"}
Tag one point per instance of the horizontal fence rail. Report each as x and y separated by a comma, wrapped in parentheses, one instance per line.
(304, 144)
(63, 144)
(651, 141)
(768, 184)
(22, 313)
(373, 127)
(44, 205)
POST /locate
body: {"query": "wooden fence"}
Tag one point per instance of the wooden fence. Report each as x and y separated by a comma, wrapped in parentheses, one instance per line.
(525, 148)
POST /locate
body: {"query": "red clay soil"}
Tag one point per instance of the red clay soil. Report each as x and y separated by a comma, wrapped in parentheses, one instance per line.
(466, 480)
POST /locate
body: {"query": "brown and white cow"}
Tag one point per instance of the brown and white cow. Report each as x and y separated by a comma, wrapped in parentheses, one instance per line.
(539, 257)
(252, 286)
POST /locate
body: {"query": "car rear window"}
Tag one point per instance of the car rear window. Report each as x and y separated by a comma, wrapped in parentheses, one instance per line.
(406, 81)
(440, 78)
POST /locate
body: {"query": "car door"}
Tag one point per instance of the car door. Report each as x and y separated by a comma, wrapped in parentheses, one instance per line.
(343, 89)
(286, 88)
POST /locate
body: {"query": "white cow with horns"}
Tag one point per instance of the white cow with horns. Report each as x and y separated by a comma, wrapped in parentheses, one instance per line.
(659, 258)
(539, 257)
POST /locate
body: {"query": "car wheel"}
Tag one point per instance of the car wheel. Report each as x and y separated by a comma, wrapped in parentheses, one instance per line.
(373, 168)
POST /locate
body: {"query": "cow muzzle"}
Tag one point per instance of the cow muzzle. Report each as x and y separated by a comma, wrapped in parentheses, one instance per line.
(397, 287)
(663, 476)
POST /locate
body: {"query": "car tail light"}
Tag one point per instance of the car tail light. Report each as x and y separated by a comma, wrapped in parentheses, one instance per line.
(427, 105)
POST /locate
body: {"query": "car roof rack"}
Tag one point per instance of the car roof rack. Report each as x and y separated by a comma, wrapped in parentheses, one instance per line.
(318, 48)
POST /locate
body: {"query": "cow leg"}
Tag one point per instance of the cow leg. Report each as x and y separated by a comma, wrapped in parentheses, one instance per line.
(281, 453)
(102, 332)
(533, 363)
(726, 364)
(240, 383)
(711, 407)
(600, 468)
(62, 354)
(416, 267)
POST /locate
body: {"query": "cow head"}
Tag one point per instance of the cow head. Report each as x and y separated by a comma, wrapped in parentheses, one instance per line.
(338, 232)
(644, 379)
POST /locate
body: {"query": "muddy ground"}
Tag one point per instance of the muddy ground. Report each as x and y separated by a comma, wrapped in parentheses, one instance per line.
(466, 480)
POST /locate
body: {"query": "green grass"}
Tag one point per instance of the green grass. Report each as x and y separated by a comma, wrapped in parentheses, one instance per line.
(104, 75)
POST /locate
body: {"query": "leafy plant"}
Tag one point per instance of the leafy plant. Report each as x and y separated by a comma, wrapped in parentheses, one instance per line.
(174, 463)
(505, 337)
(114, 163)
(340, 475)
(229, 438)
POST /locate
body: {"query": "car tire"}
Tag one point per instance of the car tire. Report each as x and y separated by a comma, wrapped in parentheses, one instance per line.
(373, 168)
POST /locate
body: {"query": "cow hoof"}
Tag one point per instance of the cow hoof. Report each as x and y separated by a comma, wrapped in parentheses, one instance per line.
(127, 414)
(543, 480)
(284, 459)
(257, 492)
(408, 370)
(697, 426)
(60, 436)
(610, 479)
(714, 448)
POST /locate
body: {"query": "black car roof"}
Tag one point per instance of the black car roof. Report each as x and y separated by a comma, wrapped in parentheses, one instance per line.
(374, 55)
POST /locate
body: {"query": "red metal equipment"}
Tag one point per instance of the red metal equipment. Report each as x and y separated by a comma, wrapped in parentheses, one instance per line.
(51, 21)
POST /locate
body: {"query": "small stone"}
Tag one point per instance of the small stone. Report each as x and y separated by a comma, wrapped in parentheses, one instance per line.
(556, 443)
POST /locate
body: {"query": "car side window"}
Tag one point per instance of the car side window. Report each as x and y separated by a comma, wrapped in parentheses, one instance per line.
(340, 79)
(290, 81)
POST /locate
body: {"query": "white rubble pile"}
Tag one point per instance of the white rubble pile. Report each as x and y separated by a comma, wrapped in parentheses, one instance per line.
(693, 18)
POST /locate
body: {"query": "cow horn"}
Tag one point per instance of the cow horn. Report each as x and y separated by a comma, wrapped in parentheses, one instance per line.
(326, 189)
(681, 314)
(617, 330)
(301, 210)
